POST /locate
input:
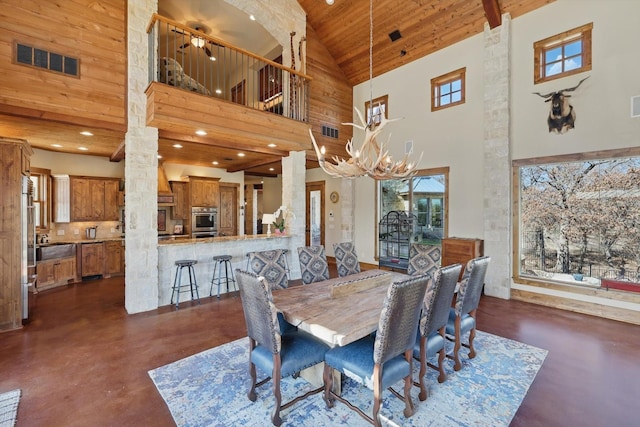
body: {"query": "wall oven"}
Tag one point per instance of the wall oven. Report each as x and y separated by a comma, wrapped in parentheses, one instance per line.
(204, 222)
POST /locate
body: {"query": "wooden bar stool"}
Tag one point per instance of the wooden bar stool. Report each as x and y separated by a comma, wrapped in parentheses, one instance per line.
(177, 282)
(219, 261)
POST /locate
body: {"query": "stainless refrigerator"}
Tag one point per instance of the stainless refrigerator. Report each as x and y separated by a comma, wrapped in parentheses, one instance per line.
(28, 259)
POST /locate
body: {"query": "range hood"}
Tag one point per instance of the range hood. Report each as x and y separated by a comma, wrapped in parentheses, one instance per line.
(165, 196)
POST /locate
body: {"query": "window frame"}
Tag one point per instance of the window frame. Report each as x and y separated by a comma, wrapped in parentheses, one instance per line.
(42, 198)
(438, 82)
(541, 47)
(383, 101)
(420, 173)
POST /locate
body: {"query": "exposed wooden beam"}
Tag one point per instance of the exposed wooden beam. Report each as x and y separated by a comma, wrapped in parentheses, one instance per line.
(118, 155)
(251, 165)
(176, 136)
(492, 12)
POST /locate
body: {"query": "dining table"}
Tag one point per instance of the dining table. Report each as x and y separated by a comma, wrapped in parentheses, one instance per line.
(339, 310)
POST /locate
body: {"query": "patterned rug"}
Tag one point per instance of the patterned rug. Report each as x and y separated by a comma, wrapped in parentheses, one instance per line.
(209, 389)
(9, 408)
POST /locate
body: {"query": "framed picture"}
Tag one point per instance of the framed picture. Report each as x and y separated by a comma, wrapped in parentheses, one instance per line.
(376, 108)
(162, 220)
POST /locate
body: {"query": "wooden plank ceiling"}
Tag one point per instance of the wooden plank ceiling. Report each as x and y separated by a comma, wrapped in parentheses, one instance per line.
(343, 28)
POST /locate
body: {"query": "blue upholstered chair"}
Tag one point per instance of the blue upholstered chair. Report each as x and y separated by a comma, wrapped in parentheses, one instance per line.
(346, 258)
(313, 264)
(276, 355)
(272, 265)
(423, 259)
(381, 361)
(435, 314)
(462, 318)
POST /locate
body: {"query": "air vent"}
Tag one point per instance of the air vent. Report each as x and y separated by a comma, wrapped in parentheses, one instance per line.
(395, 35)
(28, 55)
(635, 106)
(329, 131)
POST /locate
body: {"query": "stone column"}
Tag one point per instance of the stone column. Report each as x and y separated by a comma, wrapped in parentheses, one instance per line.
(141, 163)
(497, 157)
(293, 196)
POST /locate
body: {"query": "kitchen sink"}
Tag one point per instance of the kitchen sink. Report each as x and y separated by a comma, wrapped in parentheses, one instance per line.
(55, 250)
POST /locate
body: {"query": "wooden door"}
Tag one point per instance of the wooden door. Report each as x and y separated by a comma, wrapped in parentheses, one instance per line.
(228, 210)
(314, 218)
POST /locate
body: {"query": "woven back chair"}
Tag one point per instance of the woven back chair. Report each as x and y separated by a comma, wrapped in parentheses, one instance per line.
(272, 265)
(423, 259)
(313, 264)
(346, 258)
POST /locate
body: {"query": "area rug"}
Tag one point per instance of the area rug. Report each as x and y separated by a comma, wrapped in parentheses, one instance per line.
(210, 389)
(9, 408)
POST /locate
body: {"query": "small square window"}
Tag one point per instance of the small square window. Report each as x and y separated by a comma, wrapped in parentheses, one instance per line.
(376, 108)
(563, 54)
(448, 90)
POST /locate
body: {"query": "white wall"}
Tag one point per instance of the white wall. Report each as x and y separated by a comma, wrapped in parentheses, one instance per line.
(76, 164)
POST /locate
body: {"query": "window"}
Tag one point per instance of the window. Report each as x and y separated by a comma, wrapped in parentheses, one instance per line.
(448, 90)
(376, 108)
(41, 189)
(578, 219)
(563, 54)
(425, 196)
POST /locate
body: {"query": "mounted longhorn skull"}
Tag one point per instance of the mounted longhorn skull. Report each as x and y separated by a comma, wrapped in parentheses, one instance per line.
(561, 114)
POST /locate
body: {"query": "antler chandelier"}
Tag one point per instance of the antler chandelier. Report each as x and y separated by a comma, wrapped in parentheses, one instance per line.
(372, 158)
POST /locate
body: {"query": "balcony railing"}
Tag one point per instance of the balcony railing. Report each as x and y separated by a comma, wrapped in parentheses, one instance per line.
(191, 60)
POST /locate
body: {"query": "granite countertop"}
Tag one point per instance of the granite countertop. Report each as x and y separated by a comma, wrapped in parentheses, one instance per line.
(191, 240)
(78, 242)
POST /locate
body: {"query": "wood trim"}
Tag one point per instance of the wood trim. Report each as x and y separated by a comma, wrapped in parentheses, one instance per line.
(589, 155)
(437, 82)
(540, 47)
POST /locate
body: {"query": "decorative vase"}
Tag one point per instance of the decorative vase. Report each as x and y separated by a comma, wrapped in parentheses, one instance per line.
(281, 232)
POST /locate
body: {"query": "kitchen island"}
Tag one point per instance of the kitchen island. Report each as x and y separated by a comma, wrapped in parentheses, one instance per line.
(204, 249)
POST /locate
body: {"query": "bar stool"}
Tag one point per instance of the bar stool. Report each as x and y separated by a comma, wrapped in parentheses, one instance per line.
(219, 261)
(177, 282)
(286, 263)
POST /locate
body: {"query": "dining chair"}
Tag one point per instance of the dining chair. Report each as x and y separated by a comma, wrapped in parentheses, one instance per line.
(313, 264)
(462, 317)
(433, 320)
(346, 258)
(272, 265)
(276, 355)
(381, 361)
(423, 259)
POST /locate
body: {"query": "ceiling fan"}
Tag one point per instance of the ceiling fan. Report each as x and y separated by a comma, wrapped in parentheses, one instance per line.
(198, 42)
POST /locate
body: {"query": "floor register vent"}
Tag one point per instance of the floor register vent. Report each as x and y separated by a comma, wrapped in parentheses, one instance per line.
(43, 59)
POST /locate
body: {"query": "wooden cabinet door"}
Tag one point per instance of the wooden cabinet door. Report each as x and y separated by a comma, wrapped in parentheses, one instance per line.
(228, 210)
(181, 208)
(204, 191)
(45, 272)
(80, 199)
(97, 199)
(114, 258)
(65, 270)
(196, 187)
(92, 259)
(111, 190)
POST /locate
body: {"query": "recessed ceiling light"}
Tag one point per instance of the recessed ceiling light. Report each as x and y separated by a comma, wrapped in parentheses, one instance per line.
(159, 156)
(272, 145)
(212, 58)
(215, 163)
(86, 133)
(241, 154)
(56, 145)
(218, 91)
(329, 2)
(83, 148)
(201, 132)
(253, 18)
(177, 146)
(271, 169)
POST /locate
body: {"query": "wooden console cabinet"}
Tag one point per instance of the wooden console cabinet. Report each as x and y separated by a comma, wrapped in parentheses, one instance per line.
(460, 250)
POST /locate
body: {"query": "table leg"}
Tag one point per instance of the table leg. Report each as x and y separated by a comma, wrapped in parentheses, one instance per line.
(313, 375)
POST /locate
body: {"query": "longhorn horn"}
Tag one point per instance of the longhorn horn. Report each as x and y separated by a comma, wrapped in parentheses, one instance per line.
(576, 86)
(543, 96)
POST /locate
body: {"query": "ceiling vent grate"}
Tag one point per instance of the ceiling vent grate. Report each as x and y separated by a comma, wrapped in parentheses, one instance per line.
(329, 131)
(43, 59)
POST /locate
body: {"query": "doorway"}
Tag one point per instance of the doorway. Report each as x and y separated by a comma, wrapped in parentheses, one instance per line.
(314, 222)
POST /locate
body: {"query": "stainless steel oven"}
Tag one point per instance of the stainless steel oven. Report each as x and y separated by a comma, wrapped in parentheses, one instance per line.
(204, 222)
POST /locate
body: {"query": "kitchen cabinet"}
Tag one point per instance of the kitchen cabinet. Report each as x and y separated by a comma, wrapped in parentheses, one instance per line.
(204, 191)
(94, 199)
(55, 272)
(460, 250)
(228, 209)
(181, 209)
(114, 263)
(92, 259)
(14, 164)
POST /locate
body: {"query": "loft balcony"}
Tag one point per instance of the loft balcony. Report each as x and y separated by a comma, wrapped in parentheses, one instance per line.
(198, 82)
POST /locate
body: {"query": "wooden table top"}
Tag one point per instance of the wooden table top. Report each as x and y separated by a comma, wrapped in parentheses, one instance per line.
(346, 317)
